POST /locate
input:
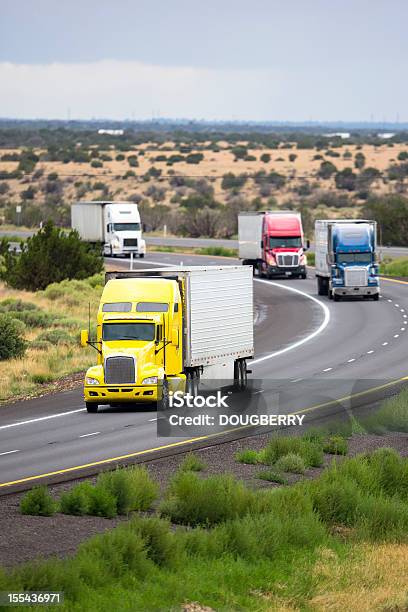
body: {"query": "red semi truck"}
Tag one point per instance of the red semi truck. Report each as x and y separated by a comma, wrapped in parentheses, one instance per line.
(273, 243)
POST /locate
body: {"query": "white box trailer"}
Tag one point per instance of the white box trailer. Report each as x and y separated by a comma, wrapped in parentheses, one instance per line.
(250, 235)
(116, 226)
(218, 314)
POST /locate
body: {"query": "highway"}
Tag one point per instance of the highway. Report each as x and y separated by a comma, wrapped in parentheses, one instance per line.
(176, 241)
(309, 352)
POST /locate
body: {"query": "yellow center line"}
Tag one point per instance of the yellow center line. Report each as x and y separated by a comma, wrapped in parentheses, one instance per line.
(198, 439)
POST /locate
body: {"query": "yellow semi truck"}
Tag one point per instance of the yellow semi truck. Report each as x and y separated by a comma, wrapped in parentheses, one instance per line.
(161, 330)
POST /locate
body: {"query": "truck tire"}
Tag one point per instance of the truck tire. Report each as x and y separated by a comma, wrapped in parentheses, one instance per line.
(320, 286)
(304, 275)
(240, 375)
(141, 255)
(336, 297)
(376, 297)
(91, 407)
(163, 403)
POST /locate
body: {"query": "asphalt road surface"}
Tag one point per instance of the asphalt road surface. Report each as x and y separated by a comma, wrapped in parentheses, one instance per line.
(310, 353)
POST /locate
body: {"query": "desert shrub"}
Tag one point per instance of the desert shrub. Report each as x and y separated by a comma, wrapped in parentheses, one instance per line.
(291, 463)
(40, 345)
(336, 501)
(38, 502)
(16, 305)
(265, 158)
(132, 488)
(42, 379)
(311, 452)
(192, 463)
(247, 456)
(56, 336)
(12, 343)
(194, 501)
(76, 501)
(118, 551)
(326, 170)
(102, 502)
(50, 256)
(95, 163)
(159, 543)
(272, 476)
(336, 445)
(35, 318)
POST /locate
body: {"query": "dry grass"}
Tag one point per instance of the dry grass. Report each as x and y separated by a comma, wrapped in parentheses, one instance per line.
(214, 165)
(374, 577)
(30, 374)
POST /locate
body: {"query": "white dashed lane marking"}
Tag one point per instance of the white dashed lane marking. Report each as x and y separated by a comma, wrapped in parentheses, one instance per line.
(94, 433)
(9, 452)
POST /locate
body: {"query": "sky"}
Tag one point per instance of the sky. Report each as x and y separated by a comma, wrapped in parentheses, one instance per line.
(260, 60)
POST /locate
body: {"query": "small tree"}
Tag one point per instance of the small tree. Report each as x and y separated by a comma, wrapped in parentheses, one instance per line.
(359, 161)
(50, 256)
(327, 169)
(346, 179)
(12, 343)
(265, 158)
(292, 157)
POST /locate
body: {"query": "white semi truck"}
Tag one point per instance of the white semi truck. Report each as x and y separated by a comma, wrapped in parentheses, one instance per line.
(116, 226)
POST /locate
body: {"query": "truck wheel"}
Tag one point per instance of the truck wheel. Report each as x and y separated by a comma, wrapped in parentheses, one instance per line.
(91, 407)
(320, 286)
(376, 297)
(141, 255)
(330, 294)
(336, 297)
(304, 275)
(163, 403)
(240, 375)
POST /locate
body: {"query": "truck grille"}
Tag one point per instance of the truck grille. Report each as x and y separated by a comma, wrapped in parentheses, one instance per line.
(287, 260)
(129, 242)
(355, 277)
(119, 370)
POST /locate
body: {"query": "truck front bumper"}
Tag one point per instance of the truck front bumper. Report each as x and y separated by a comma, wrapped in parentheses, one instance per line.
(112, 394)
(350, 291)
(286, 271)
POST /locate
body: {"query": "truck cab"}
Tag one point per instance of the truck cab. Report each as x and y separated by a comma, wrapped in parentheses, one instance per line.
(123, 230)
(139, 342)
(273, 243)
(346, 260)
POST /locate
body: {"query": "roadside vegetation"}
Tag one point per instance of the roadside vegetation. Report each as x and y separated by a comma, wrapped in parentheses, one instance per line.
(395, 267)
(39, 342)
(337, 542)
(334, 539)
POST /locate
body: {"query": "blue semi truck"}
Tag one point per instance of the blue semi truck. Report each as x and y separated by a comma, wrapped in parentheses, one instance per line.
(346, 258)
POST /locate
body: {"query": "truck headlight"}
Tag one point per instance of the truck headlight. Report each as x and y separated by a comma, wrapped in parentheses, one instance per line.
(91, 381)
(151, 380)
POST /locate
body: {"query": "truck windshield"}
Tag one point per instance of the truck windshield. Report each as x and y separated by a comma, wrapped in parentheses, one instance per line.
(363, 258)
(126, 227)
(128, 331)
(285, 242)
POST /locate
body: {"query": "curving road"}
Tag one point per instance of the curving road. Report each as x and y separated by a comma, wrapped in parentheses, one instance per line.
(309, 352)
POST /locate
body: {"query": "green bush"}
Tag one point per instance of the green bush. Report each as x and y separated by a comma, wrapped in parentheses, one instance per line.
(247, 456)
(218, 251)
(336, 445)
(159, 543)
(35, 318)
(272, 476)
(12, 343)
(49, 256)
(42, 379)
(192, 463)
(56, 336)
(383, 518)
(16, 305)
(76, 501)
(392, 416)
(194, 501)
(311, 452)
(311, 261)
(336, 501)
(132, 488)
(102, 502)
(38, 502)
(291, 463)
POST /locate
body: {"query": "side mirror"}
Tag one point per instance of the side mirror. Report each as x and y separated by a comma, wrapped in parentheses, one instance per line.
(84, 337)
(174, 337)
(308, 244)
(262, 244)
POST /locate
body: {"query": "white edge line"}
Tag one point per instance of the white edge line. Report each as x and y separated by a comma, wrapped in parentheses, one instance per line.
(44, 418)
(94, 433)
(9, 452)
(317, 331)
